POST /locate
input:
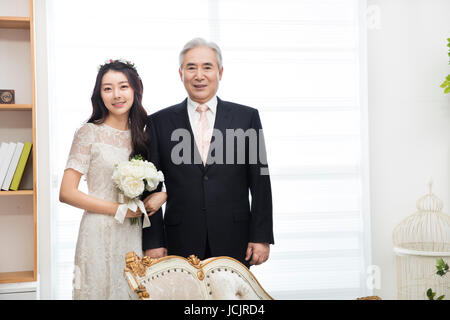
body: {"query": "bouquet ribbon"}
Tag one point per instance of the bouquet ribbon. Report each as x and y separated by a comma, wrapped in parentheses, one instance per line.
(131, 204)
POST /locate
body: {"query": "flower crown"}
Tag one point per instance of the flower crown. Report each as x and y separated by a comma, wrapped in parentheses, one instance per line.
(126, 62)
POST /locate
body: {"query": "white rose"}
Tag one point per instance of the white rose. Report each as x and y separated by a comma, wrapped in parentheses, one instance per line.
(151, 184)
(131, 186)
(137, 172)
(160, 176)
(121, 170)
(153, 180)
(128, 177)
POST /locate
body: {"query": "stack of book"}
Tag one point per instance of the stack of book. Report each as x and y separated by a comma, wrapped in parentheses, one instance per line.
(13, 159)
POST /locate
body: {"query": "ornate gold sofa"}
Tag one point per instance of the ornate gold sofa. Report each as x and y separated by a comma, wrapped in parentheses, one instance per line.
(177, 278)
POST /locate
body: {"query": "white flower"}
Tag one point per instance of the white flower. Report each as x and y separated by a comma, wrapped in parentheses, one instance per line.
(133, 176)
(153, 177)
(132, 187)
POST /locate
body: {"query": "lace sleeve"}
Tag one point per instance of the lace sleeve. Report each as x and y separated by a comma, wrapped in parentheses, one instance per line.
(80, 152)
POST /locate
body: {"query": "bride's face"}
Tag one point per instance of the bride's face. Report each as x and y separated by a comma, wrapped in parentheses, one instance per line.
(117, 93)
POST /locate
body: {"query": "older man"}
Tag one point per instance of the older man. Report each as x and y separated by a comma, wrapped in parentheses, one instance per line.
(212, 155)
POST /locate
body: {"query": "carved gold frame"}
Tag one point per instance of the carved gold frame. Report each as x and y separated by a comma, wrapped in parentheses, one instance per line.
(137, 266)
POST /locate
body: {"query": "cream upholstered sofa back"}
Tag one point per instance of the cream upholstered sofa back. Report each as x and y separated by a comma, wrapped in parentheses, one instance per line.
(177, 278)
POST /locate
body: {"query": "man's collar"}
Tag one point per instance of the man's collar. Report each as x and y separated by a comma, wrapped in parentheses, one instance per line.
(212, 104)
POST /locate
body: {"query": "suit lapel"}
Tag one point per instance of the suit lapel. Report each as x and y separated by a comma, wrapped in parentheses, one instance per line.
(221, 123)
(181, 121)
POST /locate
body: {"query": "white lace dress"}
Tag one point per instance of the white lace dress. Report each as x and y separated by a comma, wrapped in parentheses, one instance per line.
(102, 241)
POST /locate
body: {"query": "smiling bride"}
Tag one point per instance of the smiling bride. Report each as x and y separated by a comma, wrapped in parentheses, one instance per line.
(114, 133)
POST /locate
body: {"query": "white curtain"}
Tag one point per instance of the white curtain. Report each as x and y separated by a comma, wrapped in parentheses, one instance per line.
(300, 62)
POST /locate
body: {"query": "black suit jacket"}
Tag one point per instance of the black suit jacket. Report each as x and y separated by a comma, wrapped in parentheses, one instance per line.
(209, 203)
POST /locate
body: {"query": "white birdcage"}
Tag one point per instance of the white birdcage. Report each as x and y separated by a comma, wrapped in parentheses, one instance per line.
(419, 240)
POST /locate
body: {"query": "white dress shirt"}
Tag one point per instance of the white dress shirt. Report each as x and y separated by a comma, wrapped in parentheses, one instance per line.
(194, 116)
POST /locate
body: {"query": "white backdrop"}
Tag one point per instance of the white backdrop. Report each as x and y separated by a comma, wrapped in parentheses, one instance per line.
(409, 118)
(301, 63)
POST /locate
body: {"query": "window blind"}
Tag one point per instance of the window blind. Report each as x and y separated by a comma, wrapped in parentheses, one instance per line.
(300, 63)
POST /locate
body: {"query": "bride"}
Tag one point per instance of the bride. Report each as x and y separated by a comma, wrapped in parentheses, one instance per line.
(114, 133)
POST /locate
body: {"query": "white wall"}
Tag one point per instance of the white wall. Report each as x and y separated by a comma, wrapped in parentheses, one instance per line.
(409, 117)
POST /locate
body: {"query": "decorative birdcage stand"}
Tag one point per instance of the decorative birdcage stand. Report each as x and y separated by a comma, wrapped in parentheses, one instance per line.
(419, 240)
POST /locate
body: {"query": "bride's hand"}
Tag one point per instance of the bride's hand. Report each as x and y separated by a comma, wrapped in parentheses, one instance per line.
(131, 214)
(154, 201)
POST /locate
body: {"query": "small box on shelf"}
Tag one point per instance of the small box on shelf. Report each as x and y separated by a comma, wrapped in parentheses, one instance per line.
(7, 96)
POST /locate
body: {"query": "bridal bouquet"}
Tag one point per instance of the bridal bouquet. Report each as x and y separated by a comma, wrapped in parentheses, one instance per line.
(132, 178)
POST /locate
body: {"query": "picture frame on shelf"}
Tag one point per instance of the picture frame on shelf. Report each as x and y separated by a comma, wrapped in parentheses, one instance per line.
(7, 96)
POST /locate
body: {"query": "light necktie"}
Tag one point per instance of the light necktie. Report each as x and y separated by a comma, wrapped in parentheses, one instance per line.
(203, 137)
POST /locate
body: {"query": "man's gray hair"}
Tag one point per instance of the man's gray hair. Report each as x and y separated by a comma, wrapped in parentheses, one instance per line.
(200, 42)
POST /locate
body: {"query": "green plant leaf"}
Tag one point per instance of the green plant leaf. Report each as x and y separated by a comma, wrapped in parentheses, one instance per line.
(445, 84)
(138, 157)
(440, 273)
(430, 294)
(447, 90)
(135, 220)
(441, 297)
(448, 78)
(441, 265)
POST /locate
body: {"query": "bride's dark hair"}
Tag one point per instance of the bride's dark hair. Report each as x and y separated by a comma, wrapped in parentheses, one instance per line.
(137, 117)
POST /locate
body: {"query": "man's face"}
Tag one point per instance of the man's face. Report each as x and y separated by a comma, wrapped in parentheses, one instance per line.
(200, 74)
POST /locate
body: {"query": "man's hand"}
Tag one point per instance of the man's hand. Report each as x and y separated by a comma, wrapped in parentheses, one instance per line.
(156, 253)
(154, 201)
(259, 252)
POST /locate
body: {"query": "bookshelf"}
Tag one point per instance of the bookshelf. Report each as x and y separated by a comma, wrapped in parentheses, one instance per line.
(16, 193)
(16, 107)
(15, 23)
(18, 209)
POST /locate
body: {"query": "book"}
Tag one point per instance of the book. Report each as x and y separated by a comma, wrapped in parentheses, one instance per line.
(12, 166)
(20, 167)
(27, 178)
(6, 160)
(3, 147)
